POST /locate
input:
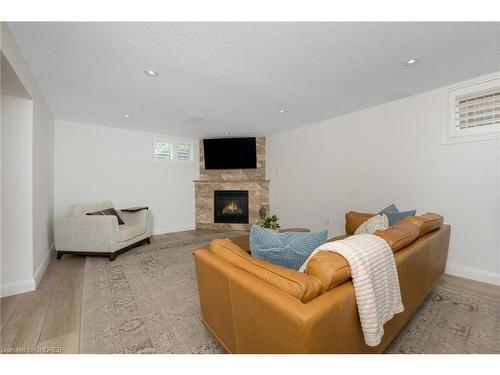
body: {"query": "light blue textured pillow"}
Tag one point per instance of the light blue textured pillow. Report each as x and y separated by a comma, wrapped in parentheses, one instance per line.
(289, 249)
(394, 215)
(391, 208)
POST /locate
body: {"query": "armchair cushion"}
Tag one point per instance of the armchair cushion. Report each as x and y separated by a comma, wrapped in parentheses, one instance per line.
(84, 208)
(129, 231)
(108, 211)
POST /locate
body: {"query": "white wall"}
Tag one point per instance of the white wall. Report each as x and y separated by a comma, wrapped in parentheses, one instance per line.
(42, 182)
(16, 195)
(43, 188)
(387, 154)
(95, 163)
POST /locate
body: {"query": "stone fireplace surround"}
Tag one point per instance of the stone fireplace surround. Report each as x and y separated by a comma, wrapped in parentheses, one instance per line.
(252, 180)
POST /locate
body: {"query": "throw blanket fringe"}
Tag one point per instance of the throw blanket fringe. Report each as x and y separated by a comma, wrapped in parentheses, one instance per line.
(375, 280)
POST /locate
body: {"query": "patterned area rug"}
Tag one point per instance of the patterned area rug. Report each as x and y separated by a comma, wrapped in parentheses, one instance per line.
(453, 321)
(147, 302)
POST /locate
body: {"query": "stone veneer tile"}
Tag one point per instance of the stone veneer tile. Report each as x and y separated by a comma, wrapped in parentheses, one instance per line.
(253, 180)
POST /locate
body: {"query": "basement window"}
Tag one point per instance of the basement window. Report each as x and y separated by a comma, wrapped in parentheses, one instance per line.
(163, 150)
(173, 149)
(184, 151)
(473, 111)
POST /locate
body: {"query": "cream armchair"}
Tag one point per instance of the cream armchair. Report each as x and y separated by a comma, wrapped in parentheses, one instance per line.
(97, 235)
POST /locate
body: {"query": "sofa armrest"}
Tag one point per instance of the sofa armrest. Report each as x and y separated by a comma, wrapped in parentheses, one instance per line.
(86, 233)
(135, 218)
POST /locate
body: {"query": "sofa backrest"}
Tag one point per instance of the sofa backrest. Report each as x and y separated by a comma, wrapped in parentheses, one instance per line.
(296, 284)
(84, 208)
(399, 235)
(332, 269)
(354, 219)
(426, 223)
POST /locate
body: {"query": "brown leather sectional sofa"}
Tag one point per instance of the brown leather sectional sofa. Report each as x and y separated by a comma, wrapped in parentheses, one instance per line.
(252, 306)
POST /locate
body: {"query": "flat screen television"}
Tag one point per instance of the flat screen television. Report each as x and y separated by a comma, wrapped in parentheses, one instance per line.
(230, 153)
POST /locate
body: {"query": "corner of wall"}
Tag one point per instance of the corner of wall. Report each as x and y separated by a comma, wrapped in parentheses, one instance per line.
(43, 266)
(17, 287)
(42, 172)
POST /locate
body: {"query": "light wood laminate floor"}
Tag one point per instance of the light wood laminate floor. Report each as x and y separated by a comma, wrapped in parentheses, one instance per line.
(49, 317)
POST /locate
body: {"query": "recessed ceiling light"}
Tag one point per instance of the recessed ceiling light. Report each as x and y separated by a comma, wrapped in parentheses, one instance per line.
(411, 61)
(151, 73)
(126, 116)
(226, 133)
(282, 111)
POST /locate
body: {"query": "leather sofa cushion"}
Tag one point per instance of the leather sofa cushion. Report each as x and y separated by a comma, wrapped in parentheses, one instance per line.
(399, 235)
(354, 219)
(331, 268)
(426, 223)
(296, 284)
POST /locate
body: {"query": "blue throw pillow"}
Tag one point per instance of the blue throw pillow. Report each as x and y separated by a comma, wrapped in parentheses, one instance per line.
(391, 208)
(289, 249)
(394, 215)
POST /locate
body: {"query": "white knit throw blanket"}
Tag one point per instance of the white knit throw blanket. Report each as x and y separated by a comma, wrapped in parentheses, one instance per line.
(375, 280)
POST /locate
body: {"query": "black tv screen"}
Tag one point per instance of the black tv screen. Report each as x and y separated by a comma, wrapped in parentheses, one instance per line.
(230, 153)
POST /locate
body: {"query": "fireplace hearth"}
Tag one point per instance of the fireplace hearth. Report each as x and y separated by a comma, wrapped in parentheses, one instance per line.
(231, 206)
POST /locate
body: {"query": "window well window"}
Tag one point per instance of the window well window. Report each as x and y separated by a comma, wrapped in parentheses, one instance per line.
(173, 149)
(163, 150)
(185, 151)
(474, 111)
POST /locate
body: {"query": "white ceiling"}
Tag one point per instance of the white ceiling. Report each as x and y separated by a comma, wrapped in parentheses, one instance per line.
(217, 77)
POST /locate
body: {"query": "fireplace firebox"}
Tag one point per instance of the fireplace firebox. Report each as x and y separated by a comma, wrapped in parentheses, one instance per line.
(231, 206)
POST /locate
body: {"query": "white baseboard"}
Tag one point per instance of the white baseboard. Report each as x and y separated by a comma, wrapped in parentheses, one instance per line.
(17, 287)
(172, 229)
(43, 266)
(28, 285)
(473, 273)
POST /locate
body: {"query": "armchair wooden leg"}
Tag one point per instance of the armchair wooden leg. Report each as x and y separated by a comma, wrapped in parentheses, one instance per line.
(58, 255)
(112, 257)
(148, 240)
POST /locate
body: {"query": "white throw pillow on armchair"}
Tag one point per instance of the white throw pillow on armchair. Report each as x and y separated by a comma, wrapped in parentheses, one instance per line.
(377, 222)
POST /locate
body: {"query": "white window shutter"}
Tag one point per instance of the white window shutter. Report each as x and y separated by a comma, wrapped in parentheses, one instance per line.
(185, 151)
(473, 110)
(478, 109)
(163, 150)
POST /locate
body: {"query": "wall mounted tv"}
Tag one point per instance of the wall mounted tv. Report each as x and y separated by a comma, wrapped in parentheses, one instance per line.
(230, 153)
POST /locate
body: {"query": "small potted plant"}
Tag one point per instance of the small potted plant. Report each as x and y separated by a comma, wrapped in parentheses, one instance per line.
(270, 222)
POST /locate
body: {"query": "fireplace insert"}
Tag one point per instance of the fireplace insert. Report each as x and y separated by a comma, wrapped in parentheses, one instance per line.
(231, 206)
